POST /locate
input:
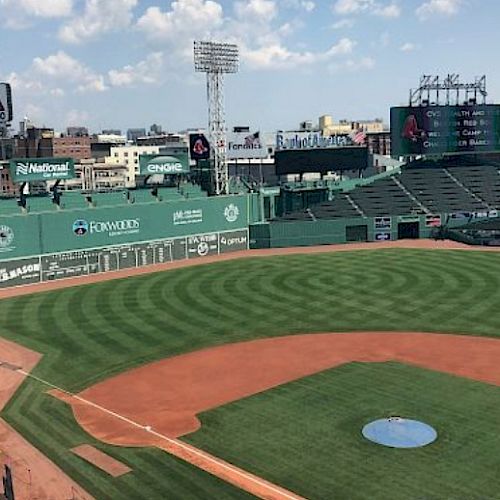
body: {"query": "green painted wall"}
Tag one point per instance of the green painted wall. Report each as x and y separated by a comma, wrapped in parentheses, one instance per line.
(51, 232)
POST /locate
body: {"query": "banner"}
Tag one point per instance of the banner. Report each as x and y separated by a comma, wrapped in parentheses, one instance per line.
(164, 164)
(199, 148)
(445, 129)
(42, 169)
(246, 145)
(311, 140)
(5, 103)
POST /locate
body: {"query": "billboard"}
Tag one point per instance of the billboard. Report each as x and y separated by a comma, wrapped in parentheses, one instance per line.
(164, 164)
(246, 145)
(5, 103)
(445, 129)
(199, 148)
(313, 140)
(41, 169)
(321, 160)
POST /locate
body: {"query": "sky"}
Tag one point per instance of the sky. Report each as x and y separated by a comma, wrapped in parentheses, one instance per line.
(129, 63)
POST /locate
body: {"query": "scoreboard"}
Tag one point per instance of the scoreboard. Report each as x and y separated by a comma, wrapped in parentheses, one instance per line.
(85, 262)
(427, 130)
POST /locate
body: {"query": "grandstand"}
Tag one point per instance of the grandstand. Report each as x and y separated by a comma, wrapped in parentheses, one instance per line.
(416, 190)
(73, 200)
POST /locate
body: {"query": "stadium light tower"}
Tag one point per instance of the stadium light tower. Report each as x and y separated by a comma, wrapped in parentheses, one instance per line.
(217, 59)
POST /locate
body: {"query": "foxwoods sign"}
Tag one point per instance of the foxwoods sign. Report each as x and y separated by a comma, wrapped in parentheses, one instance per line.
(310, 140)
(110, 227)
(42, 169)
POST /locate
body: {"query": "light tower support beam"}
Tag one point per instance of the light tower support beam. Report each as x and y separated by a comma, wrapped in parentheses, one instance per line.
(216, 60)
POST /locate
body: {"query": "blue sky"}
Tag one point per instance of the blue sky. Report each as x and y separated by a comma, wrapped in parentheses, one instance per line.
(128, 63)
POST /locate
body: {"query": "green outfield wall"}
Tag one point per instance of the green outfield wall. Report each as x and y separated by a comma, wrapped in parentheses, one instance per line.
(279, 234)
(67, 243)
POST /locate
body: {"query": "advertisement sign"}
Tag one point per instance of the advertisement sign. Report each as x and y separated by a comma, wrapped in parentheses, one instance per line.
(245, 145)
(42, 169)
(164, 164)
(382, 223)
(382, 236)
(5, 103)
(445, 129)
(199, 148)
(432, 220)
(19, 272)
(311, 140)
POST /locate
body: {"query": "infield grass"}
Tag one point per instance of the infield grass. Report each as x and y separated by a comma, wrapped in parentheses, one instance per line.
(306, 435)
(88, 333)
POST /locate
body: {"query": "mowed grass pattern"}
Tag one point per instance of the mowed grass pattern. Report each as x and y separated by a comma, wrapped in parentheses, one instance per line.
(307, 435)
(88, 333)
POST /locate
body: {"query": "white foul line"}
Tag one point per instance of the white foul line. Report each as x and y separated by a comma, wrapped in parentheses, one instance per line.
(171, 441)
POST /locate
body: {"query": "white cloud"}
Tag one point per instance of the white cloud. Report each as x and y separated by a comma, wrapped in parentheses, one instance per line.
(98, 17)
(76, 117)
(19, 14)
(187, 20)
(353, 65)
(389, 11)
(306, 5)
(278, 57)
(62, 67)
(408, 47)
(343, 23)
(256, 10)
(144, 72)
(438, 7)
(353, 7)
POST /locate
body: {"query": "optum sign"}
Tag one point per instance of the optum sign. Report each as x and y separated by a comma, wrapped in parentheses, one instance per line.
(164, 164)
(42, 169)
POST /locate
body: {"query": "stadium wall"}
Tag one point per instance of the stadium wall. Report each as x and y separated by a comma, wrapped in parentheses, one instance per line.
(68, 243)
(279, 234)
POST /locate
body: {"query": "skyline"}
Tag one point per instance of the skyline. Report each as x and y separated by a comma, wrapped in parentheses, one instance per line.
(128, 63)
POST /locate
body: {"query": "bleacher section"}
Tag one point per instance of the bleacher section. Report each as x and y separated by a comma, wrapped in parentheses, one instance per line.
(435, 189)
(483, 181)
(40, 204)
(9, 206)
(414, 191)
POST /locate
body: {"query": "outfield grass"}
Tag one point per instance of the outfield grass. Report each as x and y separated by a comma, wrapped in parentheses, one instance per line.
(306, 435)
(90, 332)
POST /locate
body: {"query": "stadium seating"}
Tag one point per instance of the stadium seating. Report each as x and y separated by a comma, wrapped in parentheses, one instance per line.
(427, 190)
(71, 200)
(9, 206)
(40, 204)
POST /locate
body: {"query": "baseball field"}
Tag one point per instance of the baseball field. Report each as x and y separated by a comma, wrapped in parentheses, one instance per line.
(260, 362)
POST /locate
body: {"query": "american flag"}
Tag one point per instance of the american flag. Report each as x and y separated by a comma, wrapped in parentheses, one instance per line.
(250, 140)
(358, 136)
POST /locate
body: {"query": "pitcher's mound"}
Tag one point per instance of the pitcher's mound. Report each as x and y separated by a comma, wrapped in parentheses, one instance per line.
(397, 432)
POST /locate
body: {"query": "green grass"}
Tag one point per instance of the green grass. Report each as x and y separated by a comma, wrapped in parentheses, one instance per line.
(306, 435)
(88, 333)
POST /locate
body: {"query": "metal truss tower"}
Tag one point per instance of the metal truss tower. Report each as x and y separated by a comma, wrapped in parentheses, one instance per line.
(217, 59)
(432, 91)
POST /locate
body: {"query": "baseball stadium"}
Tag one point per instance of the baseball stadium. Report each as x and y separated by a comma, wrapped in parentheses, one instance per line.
(319, 339)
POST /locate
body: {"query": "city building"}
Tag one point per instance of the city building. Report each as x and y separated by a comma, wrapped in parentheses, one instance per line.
(165, 139)
(35, 143)
(155, 129)
(77, 131)
(328, 127)
(128, 157)
(76, 147)
(134, 133)
(111, 131)
(379, 142)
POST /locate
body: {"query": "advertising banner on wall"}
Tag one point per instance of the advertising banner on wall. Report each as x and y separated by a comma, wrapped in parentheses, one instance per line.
(5, 103)
(42, 169)
(312, 140)
(445, 129)
(99, 227)
(246, 145)
(199, 147)
(164, 164)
